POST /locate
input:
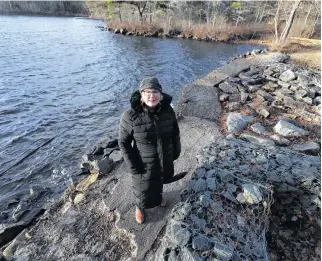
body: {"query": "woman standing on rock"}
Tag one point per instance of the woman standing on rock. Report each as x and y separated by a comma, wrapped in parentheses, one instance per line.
(149, 139)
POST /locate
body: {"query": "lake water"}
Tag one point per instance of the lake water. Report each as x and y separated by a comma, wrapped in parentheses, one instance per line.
(64, 84)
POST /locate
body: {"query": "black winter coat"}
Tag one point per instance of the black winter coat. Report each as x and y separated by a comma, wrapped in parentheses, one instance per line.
(149, 142)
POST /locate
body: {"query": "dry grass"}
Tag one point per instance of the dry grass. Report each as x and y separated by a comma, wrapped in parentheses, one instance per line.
(135, 26)
(304, 52)
(226, 32)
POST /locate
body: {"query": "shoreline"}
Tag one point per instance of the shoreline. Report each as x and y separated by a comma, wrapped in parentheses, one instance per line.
(301, 54)
(192, 107)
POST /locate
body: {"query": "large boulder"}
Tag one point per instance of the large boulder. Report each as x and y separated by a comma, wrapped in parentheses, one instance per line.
(199, 101)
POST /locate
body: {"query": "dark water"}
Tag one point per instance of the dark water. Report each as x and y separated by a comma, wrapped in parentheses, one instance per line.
(65, 80)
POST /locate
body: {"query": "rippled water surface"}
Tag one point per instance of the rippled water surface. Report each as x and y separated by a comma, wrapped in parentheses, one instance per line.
(65, 83)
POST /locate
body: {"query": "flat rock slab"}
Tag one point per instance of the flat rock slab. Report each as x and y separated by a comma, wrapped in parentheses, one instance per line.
(199, 101)
(288, 129)
(103, 224)
(309, 147)
(257, 139)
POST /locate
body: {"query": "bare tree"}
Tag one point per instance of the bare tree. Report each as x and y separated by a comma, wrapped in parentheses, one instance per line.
(141, 6)
(289, 21)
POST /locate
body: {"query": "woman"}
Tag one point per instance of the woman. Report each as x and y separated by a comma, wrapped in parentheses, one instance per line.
(149, 139)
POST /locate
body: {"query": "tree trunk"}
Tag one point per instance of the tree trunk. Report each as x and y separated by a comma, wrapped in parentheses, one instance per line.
(119, 12)
(308, 13)
(289, 22)
(276, 20)
(314, 24)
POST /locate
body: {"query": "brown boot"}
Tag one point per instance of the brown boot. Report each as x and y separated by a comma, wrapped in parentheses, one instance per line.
(139, 215)
(163, 203)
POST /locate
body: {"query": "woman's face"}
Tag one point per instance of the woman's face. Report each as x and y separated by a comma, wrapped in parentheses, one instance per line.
(151, 97)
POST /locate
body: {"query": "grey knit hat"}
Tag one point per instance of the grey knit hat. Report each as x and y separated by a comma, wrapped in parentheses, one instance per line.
(150, 83)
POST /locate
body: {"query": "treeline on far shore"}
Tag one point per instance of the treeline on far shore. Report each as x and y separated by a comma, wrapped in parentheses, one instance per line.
(51, 8)
(212, 20)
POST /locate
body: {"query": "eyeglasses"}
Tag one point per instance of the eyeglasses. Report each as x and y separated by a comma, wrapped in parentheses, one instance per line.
(148, 93)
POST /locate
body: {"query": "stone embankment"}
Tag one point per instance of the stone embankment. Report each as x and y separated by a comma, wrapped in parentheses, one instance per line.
(250, 136)
(176, 33)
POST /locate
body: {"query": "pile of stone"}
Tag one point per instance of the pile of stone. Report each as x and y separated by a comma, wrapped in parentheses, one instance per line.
(274, 105)
(176, 33)
(102, 158)
(225, 210)
(250, 53)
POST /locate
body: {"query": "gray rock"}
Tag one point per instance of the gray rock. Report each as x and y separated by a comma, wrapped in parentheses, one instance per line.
(232, 106)
(201, 243)
(263, 111)
(205, 201)
(309, 147)
(300, 94)
(244, 97)
(250, 194)
(178, 233)
(187, 255)
(248, 74)
(308, 116)
(266, 95)
(224, 97)
(270, 87)
(173, 256)
(203, 101)
(317, 100)
(288, 129)
(103, 166)
(9, 231)
(254, 88)
(303, 79)
(211, 183)
(228, 87)
(270, 78)
(308, 100)
(181, 211)
(198, 185)
(200, 172)
(258, 128)
(287, 76)
(222, 251)
(294, 88)
(290, 103)
(284, 85)
(116, 156)
(282, 93)
(11, 248)
(280, 140)
(237, 122)
(256, 51)
(311, 92)
(251, 81)
(198, 223)
(258, 140)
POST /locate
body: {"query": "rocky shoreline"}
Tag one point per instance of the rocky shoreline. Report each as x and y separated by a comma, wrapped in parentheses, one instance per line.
(227, 37)
(251, 136)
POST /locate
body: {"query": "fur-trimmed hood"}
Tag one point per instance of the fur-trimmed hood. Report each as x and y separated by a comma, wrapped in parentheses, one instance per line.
(135, 101)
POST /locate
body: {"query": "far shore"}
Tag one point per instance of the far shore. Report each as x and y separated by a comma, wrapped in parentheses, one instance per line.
(303, 51)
